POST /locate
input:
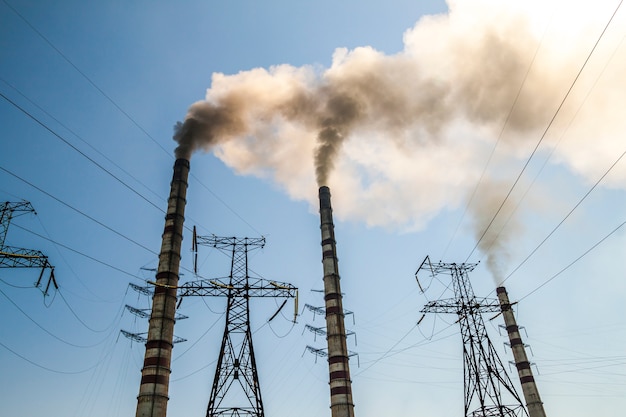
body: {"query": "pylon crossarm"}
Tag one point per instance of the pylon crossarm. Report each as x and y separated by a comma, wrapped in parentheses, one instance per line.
(11, 257)
(458, 306)
(147, 290)
(228, 242)
(144, 313)
(221, 287)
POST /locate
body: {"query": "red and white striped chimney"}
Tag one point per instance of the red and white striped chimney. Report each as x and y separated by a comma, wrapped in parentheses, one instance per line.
(341, 404)
(529, 387)
(155, 375)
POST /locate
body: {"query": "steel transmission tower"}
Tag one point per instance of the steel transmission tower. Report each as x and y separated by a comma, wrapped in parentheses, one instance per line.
(486, 381)
(236, 371)
(13, 257)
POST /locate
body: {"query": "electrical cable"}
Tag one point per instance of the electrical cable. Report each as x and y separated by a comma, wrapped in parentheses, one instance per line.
(69, 266)
(384, 355)
(46, 330)
(200, 338)
(76, 135)
(293, 325)
(15, 286)
(225, 205)
(81, 253)
(93, 161)
(566, 217)
(46, 40)
(545, 162)
(567, 94)
(45, 368)
(194, 372)
(77, 210)
(120, 109)
(493, 150)
(85, 324)
(574, 261)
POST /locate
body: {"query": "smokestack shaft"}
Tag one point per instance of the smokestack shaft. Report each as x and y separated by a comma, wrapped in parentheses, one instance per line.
(529, 387)
(155, 375)
(341, 404)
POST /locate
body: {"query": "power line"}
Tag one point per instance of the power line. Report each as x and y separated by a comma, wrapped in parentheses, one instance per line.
(46, 330)
(79, 253)
(45, 367)
(93, 84)
(493, 150)
(81, 321)
(552, 152)
(79, 137)
(574, 261)
(119, 108)
(42, 124)
(77, 210)
(546, 130)
(566, 216)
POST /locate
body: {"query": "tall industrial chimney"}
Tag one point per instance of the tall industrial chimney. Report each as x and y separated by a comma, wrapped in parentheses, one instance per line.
(155, 375)
(529, 388)
(341, 404)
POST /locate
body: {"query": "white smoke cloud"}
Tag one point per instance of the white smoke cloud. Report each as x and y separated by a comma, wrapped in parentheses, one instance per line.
(400, 137)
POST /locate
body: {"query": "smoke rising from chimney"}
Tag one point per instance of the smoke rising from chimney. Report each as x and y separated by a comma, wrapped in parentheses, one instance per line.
(400, 137)
(495, 235)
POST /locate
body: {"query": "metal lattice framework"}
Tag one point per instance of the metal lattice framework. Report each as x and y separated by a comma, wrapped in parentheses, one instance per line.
(321, 311)
(13, 257)
(141, 337)
(236, 370)
(486, 380)
(144, 313)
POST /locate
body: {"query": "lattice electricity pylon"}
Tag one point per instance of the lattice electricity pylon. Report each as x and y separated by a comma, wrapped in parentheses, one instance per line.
(13, 257)
(485, 377)
(236, 371)
(145, 290)
(321, 331)
(324, 353)
(144, 313)
(140, 338)
(322, 311)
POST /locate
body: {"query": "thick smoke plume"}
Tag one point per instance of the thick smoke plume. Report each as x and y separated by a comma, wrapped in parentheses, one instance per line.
(400, 137)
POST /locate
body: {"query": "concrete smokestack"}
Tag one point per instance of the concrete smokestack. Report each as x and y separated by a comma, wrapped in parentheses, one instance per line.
(341, 404)
(529, 388)
(155, 375)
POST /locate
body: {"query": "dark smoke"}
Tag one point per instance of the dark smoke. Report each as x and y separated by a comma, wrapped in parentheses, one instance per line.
(343, 111)
(205, 126)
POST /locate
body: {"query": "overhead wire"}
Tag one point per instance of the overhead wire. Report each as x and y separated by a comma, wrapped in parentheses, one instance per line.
(69, 266)
(81, 253)
(48, 332)
(104, 156)
(45, 368)
(76, 135)
(121, 110)
(89, 80)
(575, 260)
(566, 217)
(495, 146)
(548, 158)
(81, 321)
(549, 125)
(68, 143)
(77, 210)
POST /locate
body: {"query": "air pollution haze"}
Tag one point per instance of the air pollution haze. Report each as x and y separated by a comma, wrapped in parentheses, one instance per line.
(400, 137)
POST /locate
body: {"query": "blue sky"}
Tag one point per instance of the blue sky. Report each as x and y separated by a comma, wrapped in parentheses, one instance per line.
(111, 80)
